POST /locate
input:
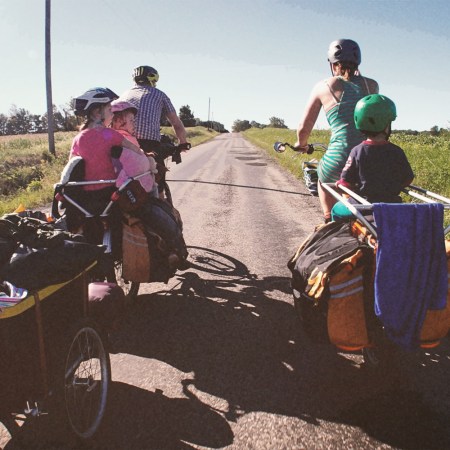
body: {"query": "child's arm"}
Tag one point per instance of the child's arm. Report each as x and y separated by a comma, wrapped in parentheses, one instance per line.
(349, 176)
(129, 145)
(405, 170)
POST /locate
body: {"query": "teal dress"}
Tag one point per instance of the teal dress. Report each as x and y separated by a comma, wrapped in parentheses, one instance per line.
(344, 135)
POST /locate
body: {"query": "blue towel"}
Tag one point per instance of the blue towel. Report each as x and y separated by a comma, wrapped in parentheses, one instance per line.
(411, 268)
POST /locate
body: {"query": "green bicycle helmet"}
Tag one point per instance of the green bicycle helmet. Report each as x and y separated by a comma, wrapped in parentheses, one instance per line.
(374, 113)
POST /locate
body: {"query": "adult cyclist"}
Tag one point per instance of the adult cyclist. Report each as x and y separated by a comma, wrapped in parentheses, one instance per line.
(152, 105)
(337, 95)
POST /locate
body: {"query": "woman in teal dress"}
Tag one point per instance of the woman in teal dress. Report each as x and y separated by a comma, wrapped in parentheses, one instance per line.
(338, 96)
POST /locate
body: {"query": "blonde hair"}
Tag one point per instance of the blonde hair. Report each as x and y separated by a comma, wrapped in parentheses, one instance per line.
(118, 119)
(89, 115)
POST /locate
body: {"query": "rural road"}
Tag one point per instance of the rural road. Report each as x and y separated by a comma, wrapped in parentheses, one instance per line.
(216, 358)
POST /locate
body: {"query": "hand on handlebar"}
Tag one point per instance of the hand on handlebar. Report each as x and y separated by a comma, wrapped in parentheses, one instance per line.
(184, 146)
(308, 148)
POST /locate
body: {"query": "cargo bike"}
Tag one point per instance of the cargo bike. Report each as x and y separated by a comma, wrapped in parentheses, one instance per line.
(344, 293)
(54, 360)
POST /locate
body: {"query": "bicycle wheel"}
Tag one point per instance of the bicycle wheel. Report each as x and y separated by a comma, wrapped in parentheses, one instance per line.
(130, 288)
(87, 375)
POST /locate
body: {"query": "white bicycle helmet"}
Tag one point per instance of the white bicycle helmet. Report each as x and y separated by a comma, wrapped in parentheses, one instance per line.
(94, 96)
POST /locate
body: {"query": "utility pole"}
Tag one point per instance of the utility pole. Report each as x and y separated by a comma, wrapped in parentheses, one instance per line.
(209, 107)
(48, 80)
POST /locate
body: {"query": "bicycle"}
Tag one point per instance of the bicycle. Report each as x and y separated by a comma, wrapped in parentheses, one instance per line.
(309, 168)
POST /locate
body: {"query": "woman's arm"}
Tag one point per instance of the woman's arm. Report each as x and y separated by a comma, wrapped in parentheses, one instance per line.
(309, 118)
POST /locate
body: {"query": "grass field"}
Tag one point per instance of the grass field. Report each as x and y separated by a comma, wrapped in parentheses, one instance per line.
(29, 171)
(429, 156)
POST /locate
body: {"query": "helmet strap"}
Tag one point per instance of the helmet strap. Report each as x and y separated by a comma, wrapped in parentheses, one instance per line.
(331, 69)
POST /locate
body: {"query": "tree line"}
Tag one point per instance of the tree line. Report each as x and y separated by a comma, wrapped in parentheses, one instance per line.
(22, 121)
(276, 122)
(242, 125)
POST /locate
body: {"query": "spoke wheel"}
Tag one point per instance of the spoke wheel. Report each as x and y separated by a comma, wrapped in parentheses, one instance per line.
(87, 375)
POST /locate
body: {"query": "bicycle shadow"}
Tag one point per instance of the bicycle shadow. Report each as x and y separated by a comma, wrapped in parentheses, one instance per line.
(135, 419)
(163, 422)
(240, 338)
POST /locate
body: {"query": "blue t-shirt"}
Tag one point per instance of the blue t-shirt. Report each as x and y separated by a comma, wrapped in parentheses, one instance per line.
(378, 171)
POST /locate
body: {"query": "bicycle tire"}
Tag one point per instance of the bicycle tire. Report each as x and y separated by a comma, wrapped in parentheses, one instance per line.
(87, 376)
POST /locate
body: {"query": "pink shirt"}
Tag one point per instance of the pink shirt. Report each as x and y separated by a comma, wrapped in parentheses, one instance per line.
(94, 146)
(134, 164)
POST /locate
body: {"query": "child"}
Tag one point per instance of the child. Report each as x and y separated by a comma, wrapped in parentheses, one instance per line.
(376, 169)
(93, 144)
(156, 214)
(130, 163)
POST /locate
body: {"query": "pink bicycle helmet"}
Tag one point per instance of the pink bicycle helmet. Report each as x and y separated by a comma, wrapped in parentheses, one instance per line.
(120, 105)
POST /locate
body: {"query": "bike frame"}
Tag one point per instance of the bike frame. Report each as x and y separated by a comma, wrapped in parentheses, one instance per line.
(60, 196)
(413, 191)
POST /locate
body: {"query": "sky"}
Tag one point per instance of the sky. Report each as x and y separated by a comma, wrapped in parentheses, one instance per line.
(231, 59)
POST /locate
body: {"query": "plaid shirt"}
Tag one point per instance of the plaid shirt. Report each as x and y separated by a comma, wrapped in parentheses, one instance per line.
(152, 104)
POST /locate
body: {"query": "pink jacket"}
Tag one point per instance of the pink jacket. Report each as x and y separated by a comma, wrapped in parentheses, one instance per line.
(94, 146)
(134, 164)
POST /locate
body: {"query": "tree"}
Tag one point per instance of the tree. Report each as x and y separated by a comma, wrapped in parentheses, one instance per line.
(240, 125)
(434, 131)
(187, 116)
(3, 124)
(20, 121)
(256, 124)
(276, 122)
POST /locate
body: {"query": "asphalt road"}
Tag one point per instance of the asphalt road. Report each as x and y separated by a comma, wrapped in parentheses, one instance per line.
(216, 358)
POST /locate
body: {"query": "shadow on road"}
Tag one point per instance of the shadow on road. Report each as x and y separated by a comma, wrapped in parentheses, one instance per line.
(246, 347)
(240, 345)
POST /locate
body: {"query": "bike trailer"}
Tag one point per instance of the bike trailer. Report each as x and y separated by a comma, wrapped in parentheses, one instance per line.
(31, 336)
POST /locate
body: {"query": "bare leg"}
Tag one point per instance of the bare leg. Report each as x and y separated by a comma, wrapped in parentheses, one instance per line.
(326, 201)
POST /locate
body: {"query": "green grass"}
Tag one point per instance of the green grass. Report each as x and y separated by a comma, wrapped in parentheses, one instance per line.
(429, 156)
(29, 171)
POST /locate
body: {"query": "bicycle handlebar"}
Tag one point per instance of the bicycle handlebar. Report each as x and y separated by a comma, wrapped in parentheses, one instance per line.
(280, 147)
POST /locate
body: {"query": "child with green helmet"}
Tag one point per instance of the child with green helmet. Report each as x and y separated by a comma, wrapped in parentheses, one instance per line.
(376, 169)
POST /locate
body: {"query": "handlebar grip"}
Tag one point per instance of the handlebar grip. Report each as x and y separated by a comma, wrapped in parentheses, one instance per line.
(310, 149)
(185, 146)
